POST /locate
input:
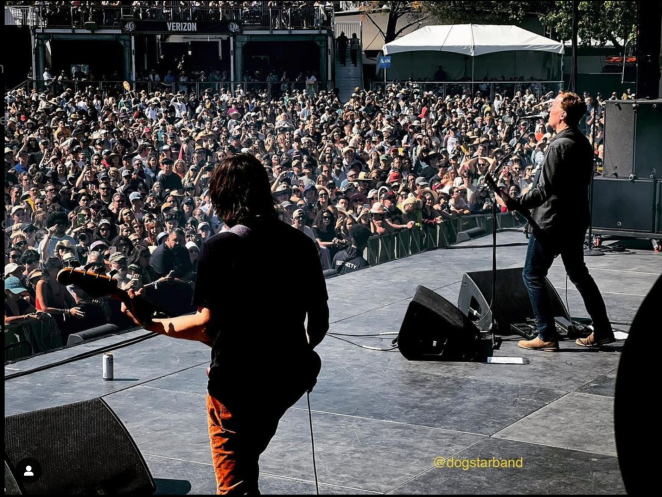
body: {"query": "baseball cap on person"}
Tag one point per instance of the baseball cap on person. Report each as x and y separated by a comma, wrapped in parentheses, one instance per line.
(297, 213)
(118, 257)
(135, 196)
(421, 181)
(126, 172)
(14, 285)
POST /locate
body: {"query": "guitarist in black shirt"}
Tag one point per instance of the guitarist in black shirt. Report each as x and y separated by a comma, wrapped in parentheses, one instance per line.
(559, 199)
(260, 366)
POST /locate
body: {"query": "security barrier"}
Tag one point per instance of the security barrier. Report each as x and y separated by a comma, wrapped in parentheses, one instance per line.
(386, 248)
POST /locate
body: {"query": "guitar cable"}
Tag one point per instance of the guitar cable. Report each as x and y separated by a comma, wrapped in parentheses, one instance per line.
(312, 442)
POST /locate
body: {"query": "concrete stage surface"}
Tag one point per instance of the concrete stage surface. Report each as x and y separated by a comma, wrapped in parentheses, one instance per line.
(380, 421)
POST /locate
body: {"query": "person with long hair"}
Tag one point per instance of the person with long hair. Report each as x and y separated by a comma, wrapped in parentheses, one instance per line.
(253, 378)
(324, 228)
(54, 298)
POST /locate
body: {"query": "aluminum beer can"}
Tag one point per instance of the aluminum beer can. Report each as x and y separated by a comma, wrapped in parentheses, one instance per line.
(108, 366)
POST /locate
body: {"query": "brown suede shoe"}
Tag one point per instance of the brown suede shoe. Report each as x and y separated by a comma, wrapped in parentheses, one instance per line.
(538, 344)
(592, 342)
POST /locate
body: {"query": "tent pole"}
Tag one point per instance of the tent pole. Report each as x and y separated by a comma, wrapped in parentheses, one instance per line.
(473, 75)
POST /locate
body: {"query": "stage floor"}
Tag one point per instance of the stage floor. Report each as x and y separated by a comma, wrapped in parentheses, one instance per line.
(380, 421)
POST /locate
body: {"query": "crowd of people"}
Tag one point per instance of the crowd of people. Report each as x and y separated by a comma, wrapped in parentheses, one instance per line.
(118, 182)
(272, 14)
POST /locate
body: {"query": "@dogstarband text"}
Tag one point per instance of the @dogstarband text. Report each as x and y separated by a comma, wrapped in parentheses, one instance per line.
(477, 463)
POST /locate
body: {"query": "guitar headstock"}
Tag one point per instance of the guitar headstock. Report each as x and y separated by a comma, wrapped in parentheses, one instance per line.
(489, 179)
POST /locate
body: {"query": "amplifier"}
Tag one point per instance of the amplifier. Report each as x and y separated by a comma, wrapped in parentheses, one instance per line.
(623, 205)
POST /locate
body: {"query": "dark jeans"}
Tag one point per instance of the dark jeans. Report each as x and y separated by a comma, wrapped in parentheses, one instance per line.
(539, 259)
(355, 56)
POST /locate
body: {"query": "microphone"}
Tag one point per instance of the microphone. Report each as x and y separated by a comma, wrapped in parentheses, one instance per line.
(542, 115)
(542, 104)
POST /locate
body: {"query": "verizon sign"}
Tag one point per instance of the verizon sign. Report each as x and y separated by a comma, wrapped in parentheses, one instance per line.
(182, 26)
(216, 27)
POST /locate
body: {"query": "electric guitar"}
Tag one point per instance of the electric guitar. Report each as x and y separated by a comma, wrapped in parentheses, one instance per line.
(99, 285)
(526, 214)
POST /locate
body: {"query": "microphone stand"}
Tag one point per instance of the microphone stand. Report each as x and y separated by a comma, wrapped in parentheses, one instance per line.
(493, 328)
(590, 251)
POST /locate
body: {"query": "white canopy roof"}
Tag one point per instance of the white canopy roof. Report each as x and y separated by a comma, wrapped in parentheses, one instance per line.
(472, 40)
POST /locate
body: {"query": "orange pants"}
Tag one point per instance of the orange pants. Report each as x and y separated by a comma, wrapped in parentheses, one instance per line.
(237, 440)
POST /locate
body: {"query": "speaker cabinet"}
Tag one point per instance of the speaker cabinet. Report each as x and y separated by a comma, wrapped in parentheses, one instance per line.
(435, 330)
(512, 304)
(633, 132)
(80, 448)
(658, 209)
(622, 205)
(619, 139)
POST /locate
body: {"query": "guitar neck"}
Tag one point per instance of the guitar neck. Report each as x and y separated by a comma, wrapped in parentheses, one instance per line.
(99, 286)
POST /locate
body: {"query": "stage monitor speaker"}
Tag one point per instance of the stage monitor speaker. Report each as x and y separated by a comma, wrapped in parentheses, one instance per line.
(435, 330)
(633, 132)
(91, 334)
(80, 448)
(635, 418)
(622, 205)
(658, 209)
(512, 304)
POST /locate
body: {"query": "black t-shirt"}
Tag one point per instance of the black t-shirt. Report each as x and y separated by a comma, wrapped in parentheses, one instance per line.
(326, 236)
(171, 182)
(348, 261)
(258, 331)
(164, 260)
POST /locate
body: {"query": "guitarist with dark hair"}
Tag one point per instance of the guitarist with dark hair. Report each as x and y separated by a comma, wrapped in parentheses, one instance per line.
(262, 354)
(560, 217)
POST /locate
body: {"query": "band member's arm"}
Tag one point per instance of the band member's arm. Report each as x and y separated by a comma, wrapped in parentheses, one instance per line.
(317, 307)
(190, 327)
(318, 323)
(543, 190)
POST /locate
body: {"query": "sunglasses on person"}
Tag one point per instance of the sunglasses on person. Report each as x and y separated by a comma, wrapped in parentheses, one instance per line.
(324, 195)
(20, 244)
(50, 190)
(326, 218)
(14, 257)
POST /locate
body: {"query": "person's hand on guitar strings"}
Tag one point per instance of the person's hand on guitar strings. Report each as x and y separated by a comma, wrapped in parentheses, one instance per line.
(133, 312)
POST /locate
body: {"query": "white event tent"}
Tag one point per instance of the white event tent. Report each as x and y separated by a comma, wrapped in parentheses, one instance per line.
(475, 52)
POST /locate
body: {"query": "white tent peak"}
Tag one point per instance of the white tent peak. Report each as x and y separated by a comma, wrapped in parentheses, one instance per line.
(473, 40)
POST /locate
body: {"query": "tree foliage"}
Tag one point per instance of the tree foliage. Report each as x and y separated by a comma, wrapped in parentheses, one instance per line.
(602, 22)
(395, 11)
